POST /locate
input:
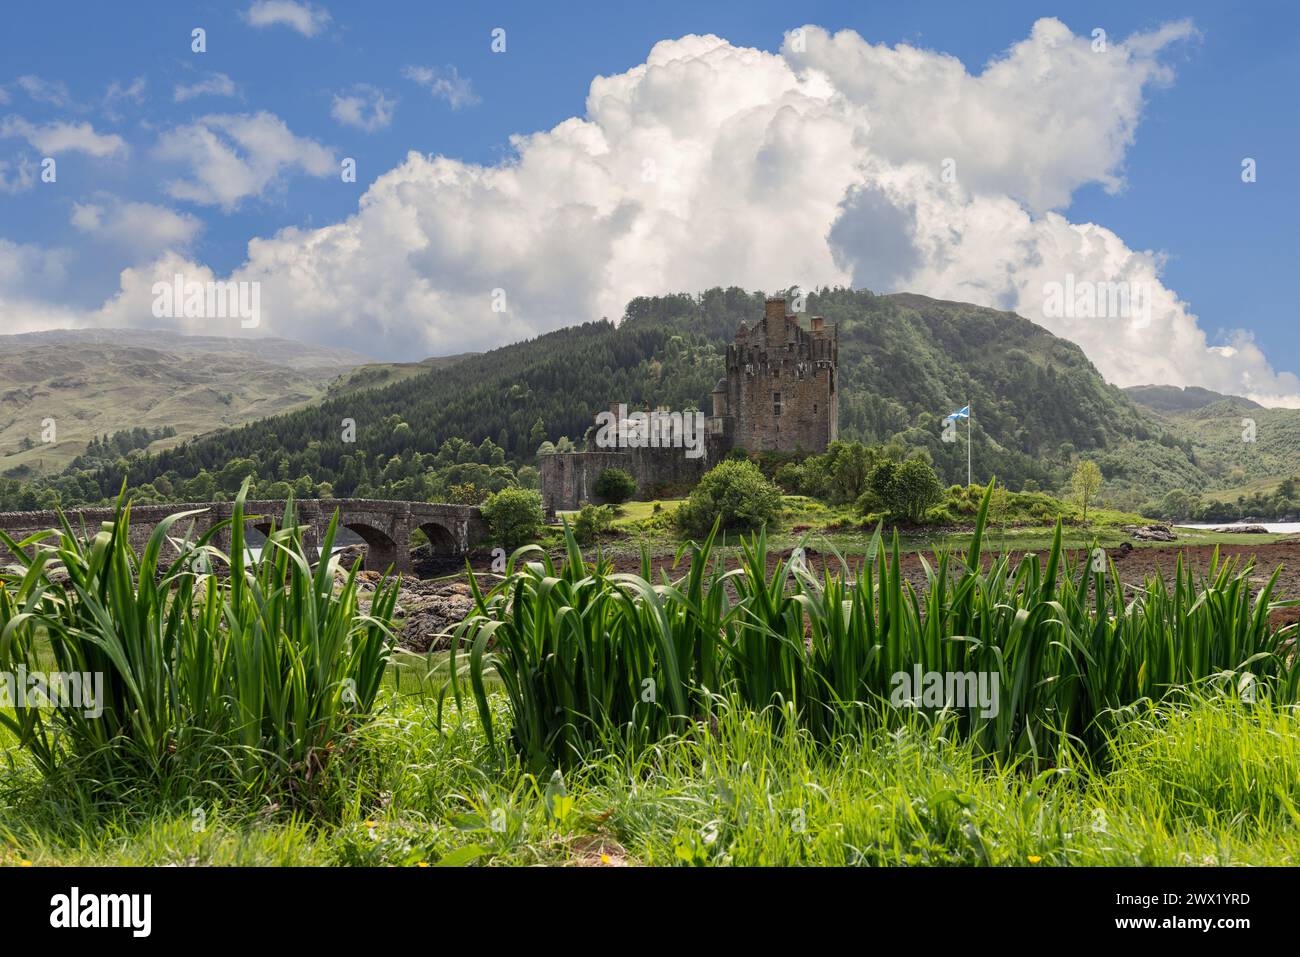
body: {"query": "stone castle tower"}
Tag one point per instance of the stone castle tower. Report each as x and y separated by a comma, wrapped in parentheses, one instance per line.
(781, 390)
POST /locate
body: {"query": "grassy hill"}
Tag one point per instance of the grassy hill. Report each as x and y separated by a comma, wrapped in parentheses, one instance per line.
(906, 362)
(93, 382)
(1238, 460)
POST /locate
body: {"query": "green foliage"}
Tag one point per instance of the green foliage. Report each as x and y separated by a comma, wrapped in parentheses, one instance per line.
(1084, 484)
(596, 660)
(615, 486)
(257, 678)
(904, 490)
(514, 516)
(592, 522)
(904, 361)
(734, 493)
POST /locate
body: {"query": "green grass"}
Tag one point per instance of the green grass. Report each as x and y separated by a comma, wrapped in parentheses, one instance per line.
(592, 660)
(1197, 783)
(739, 758)
(259, 676)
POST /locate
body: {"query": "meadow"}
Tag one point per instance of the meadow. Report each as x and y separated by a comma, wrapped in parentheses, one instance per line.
(707, 716)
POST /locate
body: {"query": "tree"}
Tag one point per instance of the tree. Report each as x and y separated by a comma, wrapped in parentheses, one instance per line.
(916, 489)
(737, 492)
(514, 516)
(1085, 483)
(615, 486)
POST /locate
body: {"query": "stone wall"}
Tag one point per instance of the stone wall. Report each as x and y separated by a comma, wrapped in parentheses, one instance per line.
(782, 391)
(778, 357)
(385, 526)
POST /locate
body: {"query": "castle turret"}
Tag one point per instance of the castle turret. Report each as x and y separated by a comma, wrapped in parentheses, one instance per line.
(720, 397)
(774, 321)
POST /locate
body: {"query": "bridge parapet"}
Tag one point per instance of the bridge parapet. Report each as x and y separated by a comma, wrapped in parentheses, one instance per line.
(385, 526)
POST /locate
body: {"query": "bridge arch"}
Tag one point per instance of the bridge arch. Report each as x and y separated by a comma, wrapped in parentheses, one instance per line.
(381, 549)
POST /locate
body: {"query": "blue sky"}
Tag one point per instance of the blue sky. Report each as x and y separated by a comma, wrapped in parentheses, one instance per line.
(1230, 248)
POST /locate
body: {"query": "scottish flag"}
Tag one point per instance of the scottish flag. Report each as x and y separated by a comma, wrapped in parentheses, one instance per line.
(962, 413)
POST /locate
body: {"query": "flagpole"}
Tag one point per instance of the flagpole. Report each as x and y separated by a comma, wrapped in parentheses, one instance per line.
(970, 421)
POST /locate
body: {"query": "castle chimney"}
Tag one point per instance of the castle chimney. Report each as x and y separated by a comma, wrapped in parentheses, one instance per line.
(818, 323)
(774, 322)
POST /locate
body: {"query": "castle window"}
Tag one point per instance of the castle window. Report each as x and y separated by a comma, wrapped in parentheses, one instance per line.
(776, 372)
(776, 403)
(814, 408)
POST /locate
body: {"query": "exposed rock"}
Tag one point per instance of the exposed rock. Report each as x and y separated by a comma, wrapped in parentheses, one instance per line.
(428, 612)
(1241, 529)
(1153, 533)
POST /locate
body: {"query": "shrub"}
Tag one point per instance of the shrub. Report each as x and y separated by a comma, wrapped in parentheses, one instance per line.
(907, 490)
(734, 492)
(514, 516)
(592, 521)
(790, 477)
(615, 486)
(1071, 648)
(257, 678)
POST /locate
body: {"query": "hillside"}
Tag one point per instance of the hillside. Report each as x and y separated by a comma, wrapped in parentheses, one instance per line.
(1171, 398)
(1243, 448)
(97, 382)
(906, 362)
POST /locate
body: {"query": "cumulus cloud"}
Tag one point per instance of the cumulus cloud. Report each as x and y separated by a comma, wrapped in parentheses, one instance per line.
(834, 162)
(443, 83)
(30, 276)
(365, 107)
(60, 137)
(234, 156)
(216, 84)
(143, 230)
(303, 17)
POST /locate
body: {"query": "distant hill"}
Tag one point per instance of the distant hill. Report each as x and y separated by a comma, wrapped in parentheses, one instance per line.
(906, 362)
(376, 375)
(1171, 398)
(1242, 447)
(100, 381)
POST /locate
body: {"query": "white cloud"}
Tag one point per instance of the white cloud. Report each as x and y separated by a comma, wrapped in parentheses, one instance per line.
(50, 92)
(216, 84)
(60, 137)
(17, 176)
(30, 276)
(444, 83)
(234, 156)
(143, 230)
(365, 107)
(119, 93)
(711, 164)
(303, 17)
(4, 95)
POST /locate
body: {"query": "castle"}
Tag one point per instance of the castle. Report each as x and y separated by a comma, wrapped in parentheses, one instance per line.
(780, 393)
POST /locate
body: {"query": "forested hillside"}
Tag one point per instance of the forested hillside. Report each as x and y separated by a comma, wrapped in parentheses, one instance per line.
(906, 362)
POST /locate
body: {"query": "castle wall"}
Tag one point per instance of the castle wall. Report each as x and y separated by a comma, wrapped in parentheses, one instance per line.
(777, 356)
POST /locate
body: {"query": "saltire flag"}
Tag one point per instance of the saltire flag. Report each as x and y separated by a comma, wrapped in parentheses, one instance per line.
(962, 413)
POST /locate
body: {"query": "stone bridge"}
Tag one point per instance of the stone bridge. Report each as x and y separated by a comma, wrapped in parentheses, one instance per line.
(385, 527)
